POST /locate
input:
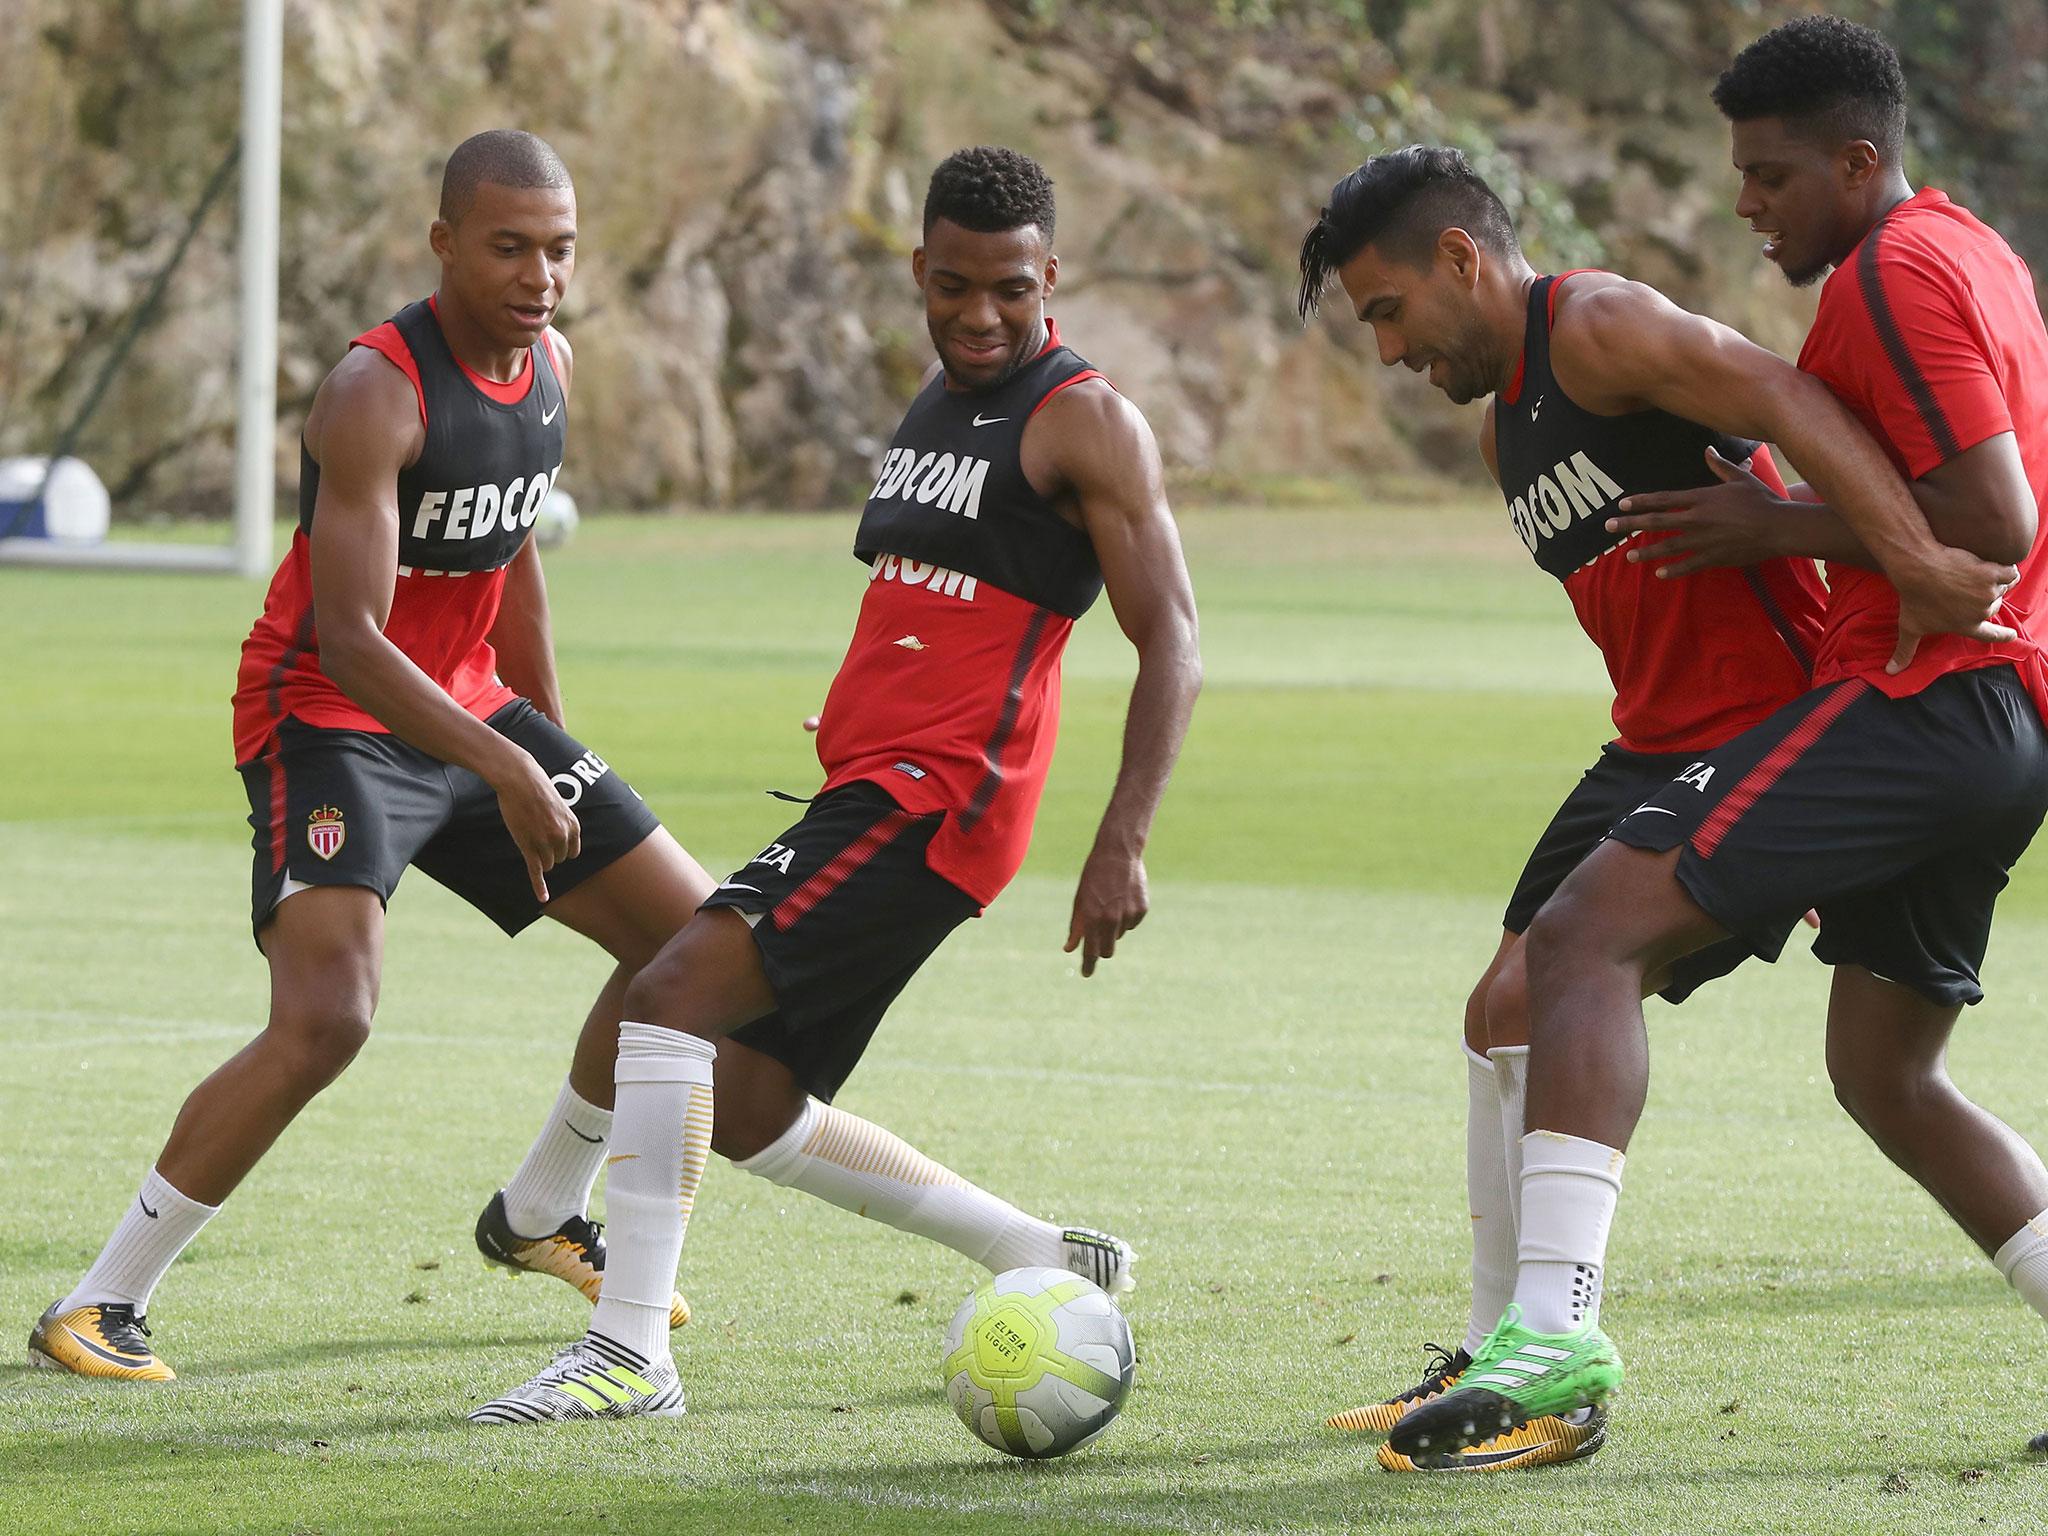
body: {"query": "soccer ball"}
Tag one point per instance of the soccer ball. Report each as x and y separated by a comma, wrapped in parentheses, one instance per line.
(1038, 1361)
(557, 520)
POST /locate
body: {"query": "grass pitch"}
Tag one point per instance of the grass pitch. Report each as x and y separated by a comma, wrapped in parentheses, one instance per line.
(1262, 1090)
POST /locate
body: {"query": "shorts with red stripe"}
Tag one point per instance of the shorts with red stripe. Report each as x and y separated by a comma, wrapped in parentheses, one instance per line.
(1898, 820)
(331, 806)
(844, 910)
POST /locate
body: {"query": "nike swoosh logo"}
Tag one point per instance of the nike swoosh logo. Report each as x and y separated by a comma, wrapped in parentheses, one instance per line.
(111, 1356)
(1653, 810)
(145, 1208)
(1493, 1458)
(734, 885)
(620, 1157)
(991, 421)
(548, 416)
(595, 1141)
(1536, 408)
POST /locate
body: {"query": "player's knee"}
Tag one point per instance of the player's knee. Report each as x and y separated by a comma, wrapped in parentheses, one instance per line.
(699, 982)
(315, 1045)
(1507, 1007)
(1552, 946)
(1476, 1037)
(1887, 1096)
(744, 1130)
(655, 985)
(753, 1108)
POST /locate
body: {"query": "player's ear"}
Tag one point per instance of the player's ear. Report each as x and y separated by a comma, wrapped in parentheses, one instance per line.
(917, 268)
(441, 236)
(1859, 162)
(1052, 273)
(1460, 252)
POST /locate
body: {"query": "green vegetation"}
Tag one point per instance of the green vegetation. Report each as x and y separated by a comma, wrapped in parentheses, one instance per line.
(1262, 1090)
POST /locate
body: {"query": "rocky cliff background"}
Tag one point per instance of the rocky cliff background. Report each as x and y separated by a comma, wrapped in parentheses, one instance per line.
(750, 176)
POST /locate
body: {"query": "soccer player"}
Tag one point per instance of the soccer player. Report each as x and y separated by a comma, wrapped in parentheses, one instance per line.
(1017, 487)
(1428, 254)
(397, 704)
(1893, 798)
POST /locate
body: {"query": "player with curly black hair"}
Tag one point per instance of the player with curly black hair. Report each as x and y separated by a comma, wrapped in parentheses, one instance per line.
(1828, 84)
(1894, 798)
(1018, 487)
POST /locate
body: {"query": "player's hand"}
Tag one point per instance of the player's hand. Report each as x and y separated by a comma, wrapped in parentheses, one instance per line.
(1110, 902)
(1950, 592)
(1729, 524)
(545, 830)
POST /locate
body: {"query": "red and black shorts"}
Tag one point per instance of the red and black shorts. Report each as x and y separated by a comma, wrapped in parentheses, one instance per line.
(844, 910)
(1615, 785)
(1897, 819)
(340, 807)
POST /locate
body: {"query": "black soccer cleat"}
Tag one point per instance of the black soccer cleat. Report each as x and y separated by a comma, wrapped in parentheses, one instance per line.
(573, 1252)
(1445, 1367)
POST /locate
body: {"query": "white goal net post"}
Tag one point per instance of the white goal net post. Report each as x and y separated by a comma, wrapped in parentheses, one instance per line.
(249, 553)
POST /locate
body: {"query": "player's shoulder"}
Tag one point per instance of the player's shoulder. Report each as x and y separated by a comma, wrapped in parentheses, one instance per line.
(1922, 259)
(1091, 413)
(367, 378)
(1928, 240)
(560, 353)
(1599, 302)
(367, 391)
(1599, 316)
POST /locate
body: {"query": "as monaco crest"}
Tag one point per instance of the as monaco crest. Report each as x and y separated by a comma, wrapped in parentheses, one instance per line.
(324, 831)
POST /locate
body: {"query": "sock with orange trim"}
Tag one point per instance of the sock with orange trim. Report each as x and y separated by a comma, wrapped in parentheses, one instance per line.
(860, 1167)
(661, 1136)
(2024, 1261)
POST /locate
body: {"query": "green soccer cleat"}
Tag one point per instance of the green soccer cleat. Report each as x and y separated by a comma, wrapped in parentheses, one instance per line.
(1518, 1375)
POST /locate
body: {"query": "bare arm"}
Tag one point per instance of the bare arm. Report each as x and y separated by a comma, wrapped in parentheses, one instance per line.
(1103, 453)
(522, 635)
(1739, 521)
(363, 429)
(1622, 346)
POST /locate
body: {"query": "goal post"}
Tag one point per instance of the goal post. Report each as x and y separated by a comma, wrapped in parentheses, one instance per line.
(249, 553)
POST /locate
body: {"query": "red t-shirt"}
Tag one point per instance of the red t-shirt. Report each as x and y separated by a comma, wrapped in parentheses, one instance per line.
(441, 620)
(949, 699)
(1931, 334)
(1698, 661)
(1694, 662)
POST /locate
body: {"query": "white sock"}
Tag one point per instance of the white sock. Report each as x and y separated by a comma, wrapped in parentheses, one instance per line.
(2024, 1261)
(152, 1233)
(1486, 1188)
(1511, 1081)
(661, 1136)
(1569, 1189)
(554, 1182)
(860, 1167)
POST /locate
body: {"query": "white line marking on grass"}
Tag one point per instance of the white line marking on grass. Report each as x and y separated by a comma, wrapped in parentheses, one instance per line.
(121, 819)
(1294, 1087)
(136, 1027)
